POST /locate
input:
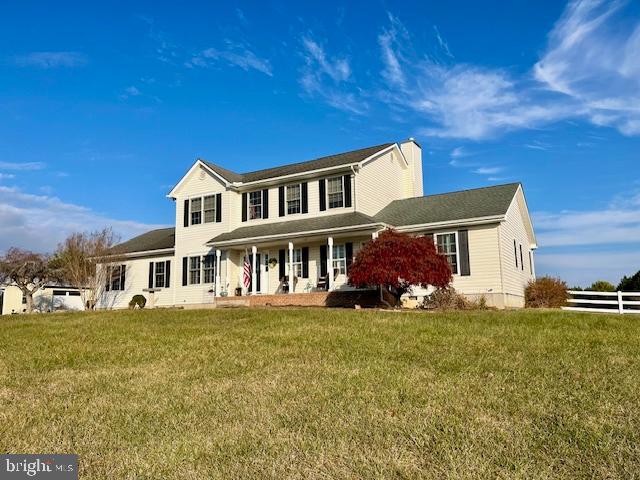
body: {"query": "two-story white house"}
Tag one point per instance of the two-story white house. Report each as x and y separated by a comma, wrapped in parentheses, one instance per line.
(298, 227)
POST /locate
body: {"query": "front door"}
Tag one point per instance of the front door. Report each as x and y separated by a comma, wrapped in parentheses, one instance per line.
(258, 272)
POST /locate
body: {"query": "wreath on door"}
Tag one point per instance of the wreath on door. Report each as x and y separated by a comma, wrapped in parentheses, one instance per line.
(272, 263)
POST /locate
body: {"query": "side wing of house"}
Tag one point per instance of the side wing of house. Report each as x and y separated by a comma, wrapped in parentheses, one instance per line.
(517, 244)
(392, 175)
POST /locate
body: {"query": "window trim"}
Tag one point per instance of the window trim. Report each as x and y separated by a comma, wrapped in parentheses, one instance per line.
(435, 241)
(340, 178)
(342, 259)
(197, 270)
(260, 196)
(191, 212)
(295, 264)
(286, 200)
(202, 210)
(162, 274)
(205, 269)
(205, 210)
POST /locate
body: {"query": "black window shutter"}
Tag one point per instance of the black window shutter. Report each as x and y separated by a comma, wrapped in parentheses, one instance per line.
(323, 260)
(281, 262)
(347, 190)
(305, 262)
(109, 272)
(322, 186)
(244, 207)
(150, 274)
(521, 259)
(265, 203)
(123, 269)
(219, 207)
(167, 274)
(305, 198)
(185, 270)
(463, 240)
(515, 252)
(281, 201)
(186, 213)
(348, 251)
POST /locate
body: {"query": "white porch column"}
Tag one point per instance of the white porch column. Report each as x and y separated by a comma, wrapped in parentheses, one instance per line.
(254, 252)
(218, 289)
(330, 262)
(374, 235)
(291, 286)
(227, 267)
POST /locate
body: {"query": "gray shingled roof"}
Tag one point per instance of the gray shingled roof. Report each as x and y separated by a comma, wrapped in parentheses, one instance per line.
(153, 240)
(479, 202)
(324, 222)
(346, 158)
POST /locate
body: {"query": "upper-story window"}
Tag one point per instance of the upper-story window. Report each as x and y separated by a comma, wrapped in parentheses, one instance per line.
(255, 205)
(199, 210)
(294, 199)
(335, 192)
(209, 209)
(447, 245)
(196, 211)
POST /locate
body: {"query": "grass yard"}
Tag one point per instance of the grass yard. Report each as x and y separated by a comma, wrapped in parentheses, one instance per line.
(315, 393)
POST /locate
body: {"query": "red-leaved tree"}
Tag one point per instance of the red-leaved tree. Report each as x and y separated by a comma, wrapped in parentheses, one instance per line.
(397, 261)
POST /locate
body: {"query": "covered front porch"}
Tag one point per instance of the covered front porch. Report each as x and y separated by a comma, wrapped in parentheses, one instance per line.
(296, 263)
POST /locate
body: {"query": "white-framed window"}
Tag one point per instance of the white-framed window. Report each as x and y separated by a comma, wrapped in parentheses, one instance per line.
(160, 274)
(447, 245)
(195, 207)
(116, 277)
(297, 263)
(335, 192)
(255, 205)
(294, 196)
(209, 209)
(194, 270)
(209, 268)
(339, 259)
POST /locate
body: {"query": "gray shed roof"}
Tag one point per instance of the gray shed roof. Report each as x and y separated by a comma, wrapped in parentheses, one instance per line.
(325, 222)
(160, 239)
(346, 158)
(478, 202)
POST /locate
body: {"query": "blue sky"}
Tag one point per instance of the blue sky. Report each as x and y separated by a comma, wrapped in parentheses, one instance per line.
(104, 107)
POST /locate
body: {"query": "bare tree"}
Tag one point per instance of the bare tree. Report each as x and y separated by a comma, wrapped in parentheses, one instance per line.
(26, 270)
(81, 259)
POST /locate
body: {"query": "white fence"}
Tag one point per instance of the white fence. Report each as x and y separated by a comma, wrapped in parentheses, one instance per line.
(617, 302)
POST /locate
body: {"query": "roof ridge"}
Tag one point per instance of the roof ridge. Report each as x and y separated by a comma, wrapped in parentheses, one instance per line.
(324, 157)
(466, 190)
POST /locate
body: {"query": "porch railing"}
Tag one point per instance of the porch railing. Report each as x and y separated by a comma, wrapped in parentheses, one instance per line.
(604, 302)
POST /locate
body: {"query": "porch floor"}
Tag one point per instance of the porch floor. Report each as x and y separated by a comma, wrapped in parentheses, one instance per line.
(336, 299)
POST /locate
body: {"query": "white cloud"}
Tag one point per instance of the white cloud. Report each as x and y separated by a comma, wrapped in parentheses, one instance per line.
(459, 152)
(22, 166)
(389, 41)
(487, 170)
(328, 78)
(593, 58)
(618, 223)
(51, 59)
(236, 54)
(40, 222)
(6, 176)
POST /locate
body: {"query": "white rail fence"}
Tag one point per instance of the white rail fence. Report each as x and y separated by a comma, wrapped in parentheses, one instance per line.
(604, 302)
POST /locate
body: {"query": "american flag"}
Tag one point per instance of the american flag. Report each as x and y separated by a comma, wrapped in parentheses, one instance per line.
(246, 274)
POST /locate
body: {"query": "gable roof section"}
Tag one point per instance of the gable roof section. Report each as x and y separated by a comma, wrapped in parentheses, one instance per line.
(313, 224)
(445, 207)
(160, 239)
(347, 158)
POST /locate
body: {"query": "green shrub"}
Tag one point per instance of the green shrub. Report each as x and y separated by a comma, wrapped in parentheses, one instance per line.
(448, 299)
(138, 301)
(546, 292)
(601, 286)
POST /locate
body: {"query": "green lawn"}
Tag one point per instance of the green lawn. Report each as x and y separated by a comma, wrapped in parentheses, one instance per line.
(315, 393)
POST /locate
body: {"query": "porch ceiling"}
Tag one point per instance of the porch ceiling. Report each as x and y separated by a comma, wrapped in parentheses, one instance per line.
(308, 227)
